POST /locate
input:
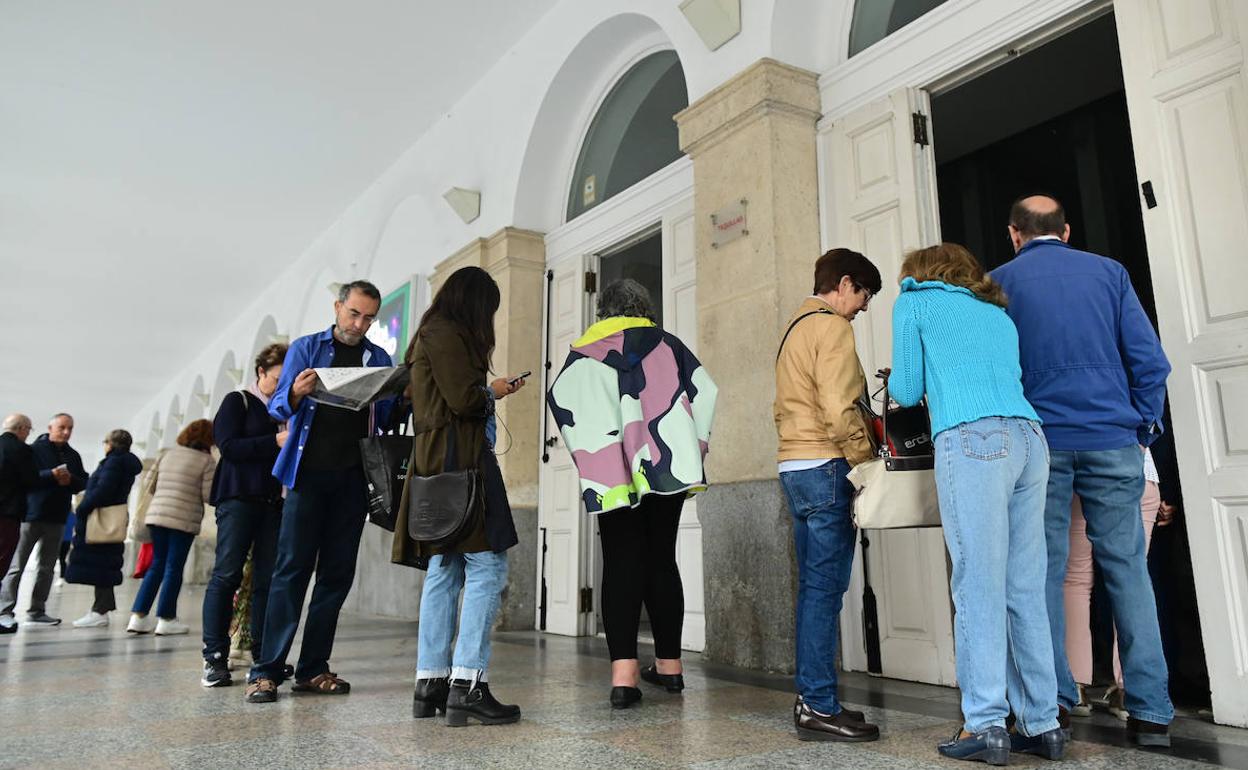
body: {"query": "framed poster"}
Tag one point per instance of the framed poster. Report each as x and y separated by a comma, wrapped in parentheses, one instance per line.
(398, 316)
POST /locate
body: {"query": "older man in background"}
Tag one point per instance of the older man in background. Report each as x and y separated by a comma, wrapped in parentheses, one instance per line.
(17, 477)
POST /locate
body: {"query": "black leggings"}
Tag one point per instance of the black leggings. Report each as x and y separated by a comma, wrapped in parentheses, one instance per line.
(639, 565)
(105, 600)
(63, 557)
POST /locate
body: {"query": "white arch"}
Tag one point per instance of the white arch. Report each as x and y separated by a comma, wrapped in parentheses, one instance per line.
(601, 57)
(811, 34)
(173, 424)
(224, 381)
(152, 447)
(264, 337)
(195, 406)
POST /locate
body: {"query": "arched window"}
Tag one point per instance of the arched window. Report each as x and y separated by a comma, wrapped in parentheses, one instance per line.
(633, 135)
(875, 20)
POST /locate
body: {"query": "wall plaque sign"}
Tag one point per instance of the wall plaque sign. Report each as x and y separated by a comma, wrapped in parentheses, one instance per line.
(728, 224)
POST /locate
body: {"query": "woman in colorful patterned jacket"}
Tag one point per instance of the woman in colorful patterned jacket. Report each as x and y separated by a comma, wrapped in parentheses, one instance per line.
(635, 409)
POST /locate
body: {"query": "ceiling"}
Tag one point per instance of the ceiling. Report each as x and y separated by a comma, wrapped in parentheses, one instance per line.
(161, 162)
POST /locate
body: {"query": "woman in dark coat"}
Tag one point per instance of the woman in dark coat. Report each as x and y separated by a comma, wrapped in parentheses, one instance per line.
(99, 564)
(453, 417)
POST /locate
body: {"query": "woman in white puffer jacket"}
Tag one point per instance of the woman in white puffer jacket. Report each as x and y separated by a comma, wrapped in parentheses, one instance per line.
(183, 483)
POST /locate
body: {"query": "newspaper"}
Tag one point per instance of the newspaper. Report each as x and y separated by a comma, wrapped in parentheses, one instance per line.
(355, 387)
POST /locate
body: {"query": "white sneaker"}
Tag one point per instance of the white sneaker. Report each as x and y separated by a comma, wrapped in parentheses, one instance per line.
(141, 624)
(171, 627)
(59, 582)
(92, 619)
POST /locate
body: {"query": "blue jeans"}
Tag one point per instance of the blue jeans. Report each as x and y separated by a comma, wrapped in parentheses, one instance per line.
(243, 526)
(823, 536)
(322, 521)
(990, 479)
(1109, 483)
(170, 548)
(482, 577)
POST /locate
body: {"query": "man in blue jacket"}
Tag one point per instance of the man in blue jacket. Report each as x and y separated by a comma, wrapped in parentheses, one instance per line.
(323, 516)
(1095, 372)
(61, 476)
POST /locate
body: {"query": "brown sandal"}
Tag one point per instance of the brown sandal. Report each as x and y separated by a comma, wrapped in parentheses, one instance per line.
(261, 691)
(327, 683)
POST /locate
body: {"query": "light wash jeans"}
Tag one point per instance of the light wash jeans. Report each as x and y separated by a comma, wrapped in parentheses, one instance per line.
(991, 476)
(1109, 484)
(482, 577)
(823, 537)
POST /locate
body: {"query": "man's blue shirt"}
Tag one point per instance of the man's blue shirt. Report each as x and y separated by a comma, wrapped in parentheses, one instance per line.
(314, 351)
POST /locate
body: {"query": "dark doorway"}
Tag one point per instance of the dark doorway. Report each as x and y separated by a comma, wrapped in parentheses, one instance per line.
(1054, 121)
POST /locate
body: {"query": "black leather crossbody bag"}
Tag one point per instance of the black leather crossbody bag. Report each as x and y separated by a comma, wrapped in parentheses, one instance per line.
(444, 509)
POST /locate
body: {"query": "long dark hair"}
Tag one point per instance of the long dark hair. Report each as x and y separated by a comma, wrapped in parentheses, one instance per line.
(469, 298)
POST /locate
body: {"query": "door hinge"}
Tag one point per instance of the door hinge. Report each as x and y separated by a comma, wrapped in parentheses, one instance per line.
(920, 129)
(1150, 197)
(587, 599)
(591, 282)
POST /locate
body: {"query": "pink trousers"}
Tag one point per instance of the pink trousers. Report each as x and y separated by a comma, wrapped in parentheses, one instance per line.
(1078, 586)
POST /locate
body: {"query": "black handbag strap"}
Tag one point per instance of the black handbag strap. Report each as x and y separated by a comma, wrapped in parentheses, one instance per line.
(452, 443)
(789, 331)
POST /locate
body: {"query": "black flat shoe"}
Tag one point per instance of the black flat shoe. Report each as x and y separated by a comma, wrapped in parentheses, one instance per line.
(670, 682)
(1050, 745)
(466, 703)
(624, 697)
(1144, 733)
(430, 697)
(991, 746)
(813, 726)
(850, 714)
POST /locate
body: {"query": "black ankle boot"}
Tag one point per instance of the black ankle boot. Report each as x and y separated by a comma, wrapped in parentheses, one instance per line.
(430, 697)
(466, 702)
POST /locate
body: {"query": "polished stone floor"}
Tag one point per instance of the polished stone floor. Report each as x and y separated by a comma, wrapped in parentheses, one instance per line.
(96, 699)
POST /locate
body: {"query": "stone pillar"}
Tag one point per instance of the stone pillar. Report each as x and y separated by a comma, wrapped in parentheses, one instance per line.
(752, 138)
(517, 261)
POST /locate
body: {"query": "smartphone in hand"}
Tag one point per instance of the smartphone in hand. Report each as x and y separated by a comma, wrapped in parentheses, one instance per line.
(522, 376)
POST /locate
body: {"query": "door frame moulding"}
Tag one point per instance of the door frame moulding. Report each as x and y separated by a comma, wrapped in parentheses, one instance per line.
(967, 38)
(619, 218)
(613, 223)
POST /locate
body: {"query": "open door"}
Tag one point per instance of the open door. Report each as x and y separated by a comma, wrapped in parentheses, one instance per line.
(560, 519)
(1187, 95)
(680, 317)
(880, 176)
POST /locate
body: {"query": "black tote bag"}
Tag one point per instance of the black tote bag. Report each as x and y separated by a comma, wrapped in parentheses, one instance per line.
(385, 460)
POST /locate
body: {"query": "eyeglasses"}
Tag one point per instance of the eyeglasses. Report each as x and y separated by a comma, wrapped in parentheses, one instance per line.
(864, 290)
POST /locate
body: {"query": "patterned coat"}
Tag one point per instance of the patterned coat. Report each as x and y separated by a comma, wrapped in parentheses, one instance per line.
(635, 408)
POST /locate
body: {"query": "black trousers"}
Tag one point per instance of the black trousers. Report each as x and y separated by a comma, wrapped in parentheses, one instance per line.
(639, 565)
(105, 599)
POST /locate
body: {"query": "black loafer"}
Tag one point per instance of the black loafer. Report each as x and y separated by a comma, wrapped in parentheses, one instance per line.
(1144, 733)
(856, 716)
(670, 682)
(1050, 745)
(624, 697)
(991, 746)
(813, 726)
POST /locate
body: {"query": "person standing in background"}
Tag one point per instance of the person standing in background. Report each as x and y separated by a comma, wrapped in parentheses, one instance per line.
(17, 477)
(48, 505)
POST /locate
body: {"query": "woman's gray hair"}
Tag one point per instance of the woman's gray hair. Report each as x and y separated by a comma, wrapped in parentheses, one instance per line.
(628, 298)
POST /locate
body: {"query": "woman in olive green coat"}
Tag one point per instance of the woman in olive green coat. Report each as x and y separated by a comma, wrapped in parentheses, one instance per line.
(453, 419)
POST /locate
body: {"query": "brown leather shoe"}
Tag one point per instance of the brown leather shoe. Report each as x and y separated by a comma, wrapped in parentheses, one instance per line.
(813, 726)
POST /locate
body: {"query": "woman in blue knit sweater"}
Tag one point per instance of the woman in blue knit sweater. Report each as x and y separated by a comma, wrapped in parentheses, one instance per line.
(953, 341)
